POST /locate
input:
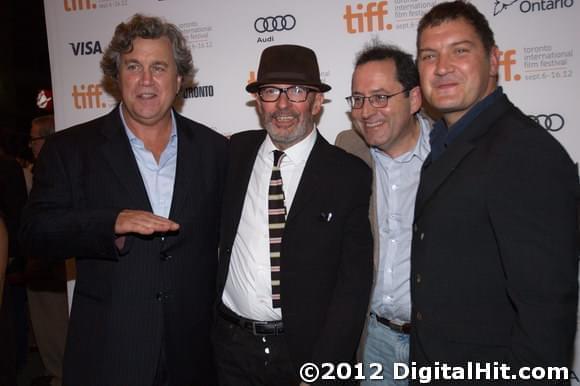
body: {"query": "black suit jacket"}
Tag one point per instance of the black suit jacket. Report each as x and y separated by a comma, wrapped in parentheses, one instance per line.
(326, 267)
(494, 269)
(12, 200)
(157, 291)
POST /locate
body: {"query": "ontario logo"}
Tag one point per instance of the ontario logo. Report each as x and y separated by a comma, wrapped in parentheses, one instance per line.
(367, 17)
(527, 6)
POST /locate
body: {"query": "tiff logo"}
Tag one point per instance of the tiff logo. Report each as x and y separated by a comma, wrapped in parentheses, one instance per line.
(77, 5)
(507, 60)
(87, 96)
(373, 15)
(252, 77)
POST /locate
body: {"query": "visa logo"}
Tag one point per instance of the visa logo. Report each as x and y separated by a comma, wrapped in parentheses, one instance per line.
(86, 48)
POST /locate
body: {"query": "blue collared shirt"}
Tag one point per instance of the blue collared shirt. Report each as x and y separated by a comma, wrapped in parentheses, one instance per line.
(158, 178)
(442, 137)
(396, 181)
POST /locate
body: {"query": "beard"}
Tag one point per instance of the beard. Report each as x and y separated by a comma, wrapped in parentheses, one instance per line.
(288, 136)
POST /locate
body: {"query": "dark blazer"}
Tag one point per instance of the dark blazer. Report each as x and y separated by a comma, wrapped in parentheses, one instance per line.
(157, 291)
(494, 270)
(326, 266)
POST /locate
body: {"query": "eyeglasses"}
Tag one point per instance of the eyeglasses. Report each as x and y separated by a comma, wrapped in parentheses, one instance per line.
(378, 100)
(293, 93)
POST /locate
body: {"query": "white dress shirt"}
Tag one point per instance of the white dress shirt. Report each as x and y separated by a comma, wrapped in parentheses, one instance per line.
(397, 180)
(158, 178)
(248, 289)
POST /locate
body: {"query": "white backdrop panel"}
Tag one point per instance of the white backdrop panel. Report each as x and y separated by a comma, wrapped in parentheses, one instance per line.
(539, 40)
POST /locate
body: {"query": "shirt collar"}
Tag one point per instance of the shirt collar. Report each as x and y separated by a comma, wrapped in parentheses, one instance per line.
(442, 136)
(421, 148)
(135, 140)
(453, 131)
(296, 153)
(480, 106)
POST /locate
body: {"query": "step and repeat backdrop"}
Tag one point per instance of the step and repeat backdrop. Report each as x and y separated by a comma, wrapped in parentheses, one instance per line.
(538, 39)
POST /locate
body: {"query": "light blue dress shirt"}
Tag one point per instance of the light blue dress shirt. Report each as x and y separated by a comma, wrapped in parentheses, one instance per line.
(158, 178)
(396, 182)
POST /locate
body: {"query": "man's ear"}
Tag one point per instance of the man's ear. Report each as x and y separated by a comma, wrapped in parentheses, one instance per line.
(415, 99)
(179, 80)
(317, 105)
(494, 61)
(258, 103)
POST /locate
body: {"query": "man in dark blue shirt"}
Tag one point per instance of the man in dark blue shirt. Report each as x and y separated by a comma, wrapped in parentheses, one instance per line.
(494, 269)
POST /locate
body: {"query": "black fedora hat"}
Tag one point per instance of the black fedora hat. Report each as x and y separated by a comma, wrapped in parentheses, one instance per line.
(288, 64)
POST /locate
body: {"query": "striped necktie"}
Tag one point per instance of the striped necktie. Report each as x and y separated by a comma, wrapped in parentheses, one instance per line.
(276, 222)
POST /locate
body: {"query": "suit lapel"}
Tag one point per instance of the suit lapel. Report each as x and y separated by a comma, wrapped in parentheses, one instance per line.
(188, 160)
(354, 144)
(311, 176)
(118, 153)
(435, 173)
(242, 161)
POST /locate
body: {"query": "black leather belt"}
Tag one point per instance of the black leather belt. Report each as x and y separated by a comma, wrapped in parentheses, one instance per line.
(255, 327)
(404, 328)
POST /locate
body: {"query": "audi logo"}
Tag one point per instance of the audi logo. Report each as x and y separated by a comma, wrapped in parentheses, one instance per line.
(551, 122)
(274, 23)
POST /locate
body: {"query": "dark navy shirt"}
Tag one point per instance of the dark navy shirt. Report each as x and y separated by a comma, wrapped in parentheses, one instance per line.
(442, 137)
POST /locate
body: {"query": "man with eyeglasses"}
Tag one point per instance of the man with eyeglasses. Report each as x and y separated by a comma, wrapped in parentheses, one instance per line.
(296, 247)
(40, 129)
(392, 137)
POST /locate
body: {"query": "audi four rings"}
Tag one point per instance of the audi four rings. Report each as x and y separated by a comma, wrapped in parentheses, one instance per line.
(551, 122)
(274, 23)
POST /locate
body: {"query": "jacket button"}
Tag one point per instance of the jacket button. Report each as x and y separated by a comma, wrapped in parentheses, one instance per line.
(422, 236)
(165, 256)
(415, 227)
(419, 316)
(161, 296)
(418, 278)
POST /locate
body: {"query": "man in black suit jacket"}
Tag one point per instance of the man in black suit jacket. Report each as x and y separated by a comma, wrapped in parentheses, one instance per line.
(135, 196)
(302, 298)
(12, 200)
(494, 270)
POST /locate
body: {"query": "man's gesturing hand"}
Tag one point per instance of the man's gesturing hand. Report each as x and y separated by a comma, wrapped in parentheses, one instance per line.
(143, 223)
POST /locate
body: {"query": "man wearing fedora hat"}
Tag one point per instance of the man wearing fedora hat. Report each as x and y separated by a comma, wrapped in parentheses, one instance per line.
(296, 248)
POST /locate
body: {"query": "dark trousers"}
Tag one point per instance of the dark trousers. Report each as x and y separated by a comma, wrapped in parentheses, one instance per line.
(7, 340)
(161, 374)
(245, 359)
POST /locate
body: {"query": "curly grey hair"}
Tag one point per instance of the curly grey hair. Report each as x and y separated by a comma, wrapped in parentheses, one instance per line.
(146, 27)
